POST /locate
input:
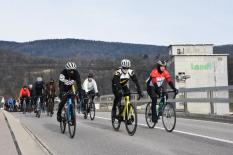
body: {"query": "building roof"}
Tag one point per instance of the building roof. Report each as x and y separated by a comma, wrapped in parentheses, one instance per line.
(191, 45)
(200, 55)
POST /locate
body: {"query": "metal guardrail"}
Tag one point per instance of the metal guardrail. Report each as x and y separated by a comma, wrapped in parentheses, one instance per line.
(108, 99)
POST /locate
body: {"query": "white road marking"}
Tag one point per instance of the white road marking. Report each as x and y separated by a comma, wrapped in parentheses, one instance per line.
(183, 132)
(206, 121)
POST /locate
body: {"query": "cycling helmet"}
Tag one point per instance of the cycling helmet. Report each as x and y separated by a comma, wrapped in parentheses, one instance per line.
(39, 79)
(90, 75)
(125, 63)
(70, 65)
(51, 80)
(162, 63)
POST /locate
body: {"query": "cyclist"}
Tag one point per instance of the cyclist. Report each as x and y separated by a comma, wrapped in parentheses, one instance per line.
(39, 91)
(154, 85)
(10, 104)
(50, 92)
(24, 93)
(120, 84)
(90, 88)
(66, 79)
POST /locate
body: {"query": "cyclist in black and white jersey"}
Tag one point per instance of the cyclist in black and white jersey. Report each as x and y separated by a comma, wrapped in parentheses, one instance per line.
(120, 83)
(66, 79)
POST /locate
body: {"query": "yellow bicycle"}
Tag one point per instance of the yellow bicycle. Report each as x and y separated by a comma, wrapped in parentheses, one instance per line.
(126, 113)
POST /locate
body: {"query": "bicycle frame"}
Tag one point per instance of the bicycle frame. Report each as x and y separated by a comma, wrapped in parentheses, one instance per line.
(68, 107)
(126, 109)
(69, 103)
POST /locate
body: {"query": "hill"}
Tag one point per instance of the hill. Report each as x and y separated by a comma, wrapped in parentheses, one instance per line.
(68, 48)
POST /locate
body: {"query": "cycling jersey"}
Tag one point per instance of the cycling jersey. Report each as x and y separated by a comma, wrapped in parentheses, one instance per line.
(50, 89)
(39, 88)
(158, 78)
(24, 93)
(66, 81)
(124, 77)
(89, 86)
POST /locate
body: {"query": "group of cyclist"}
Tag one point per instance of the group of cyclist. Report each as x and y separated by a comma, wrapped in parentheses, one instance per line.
(68, 77)
(40, 90)
(120, 86)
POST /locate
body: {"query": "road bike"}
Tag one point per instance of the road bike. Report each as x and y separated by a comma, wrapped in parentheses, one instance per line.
(90, 106)
(50, 104)
(165, 109)
(24, 106)
(126, 113)
(68, 115)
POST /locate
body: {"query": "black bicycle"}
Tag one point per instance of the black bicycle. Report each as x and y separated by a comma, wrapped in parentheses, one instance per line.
(90, 106)
(165, 109)
(50, 104)
(24, 105)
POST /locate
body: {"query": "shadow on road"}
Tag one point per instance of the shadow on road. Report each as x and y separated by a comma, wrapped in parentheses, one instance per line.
(97, 125)
(52, 127)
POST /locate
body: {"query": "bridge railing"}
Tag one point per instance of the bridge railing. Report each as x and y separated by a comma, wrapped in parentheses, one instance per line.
(210, 95)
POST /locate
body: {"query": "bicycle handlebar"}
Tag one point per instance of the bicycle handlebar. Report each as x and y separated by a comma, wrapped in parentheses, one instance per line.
(170, 91)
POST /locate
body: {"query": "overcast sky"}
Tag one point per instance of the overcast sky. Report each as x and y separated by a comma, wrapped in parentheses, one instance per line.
(157, 22)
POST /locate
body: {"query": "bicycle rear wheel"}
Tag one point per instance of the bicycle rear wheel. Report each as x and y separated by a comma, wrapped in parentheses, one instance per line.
(131, 120)
(148, 116)
(169, 117)
(72, 121)
(116, 122)
(92, 110)
(63, 122)
(49, 108)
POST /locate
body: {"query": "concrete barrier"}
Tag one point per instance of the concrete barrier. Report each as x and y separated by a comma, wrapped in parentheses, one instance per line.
(27, 144)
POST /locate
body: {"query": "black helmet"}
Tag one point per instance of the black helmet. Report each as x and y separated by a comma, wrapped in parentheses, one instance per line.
(51, 80)
(162, 63)
(90, 75)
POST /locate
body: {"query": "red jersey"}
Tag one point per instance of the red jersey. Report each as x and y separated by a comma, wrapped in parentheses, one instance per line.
(24, 93)
(158, 78)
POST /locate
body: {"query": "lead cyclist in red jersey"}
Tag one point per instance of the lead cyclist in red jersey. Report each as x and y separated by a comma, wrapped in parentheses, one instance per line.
(154, 85)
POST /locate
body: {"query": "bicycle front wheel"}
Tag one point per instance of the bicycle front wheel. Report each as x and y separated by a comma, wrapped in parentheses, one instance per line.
(63, 122)
(169, 117)
(148, 116)
(72, 121)
(92, 110)
(116, 122)
(131, 120)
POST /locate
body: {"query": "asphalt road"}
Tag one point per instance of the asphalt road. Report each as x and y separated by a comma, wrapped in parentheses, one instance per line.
(190, 137)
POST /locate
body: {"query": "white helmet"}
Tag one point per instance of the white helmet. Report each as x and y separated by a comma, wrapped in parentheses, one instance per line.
(39, 79)
(70, 65)
(30, 86)
(125, 63)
